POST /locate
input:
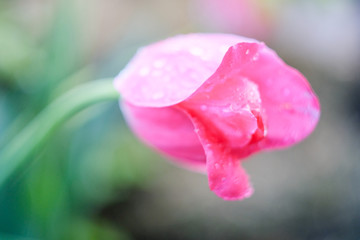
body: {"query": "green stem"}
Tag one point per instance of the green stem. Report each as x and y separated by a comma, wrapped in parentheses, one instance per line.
(19, 150)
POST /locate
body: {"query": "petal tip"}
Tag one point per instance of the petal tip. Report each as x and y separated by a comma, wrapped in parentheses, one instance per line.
(247, 194)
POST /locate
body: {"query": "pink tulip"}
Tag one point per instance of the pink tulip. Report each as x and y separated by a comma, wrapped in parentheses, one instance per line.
(210, 100)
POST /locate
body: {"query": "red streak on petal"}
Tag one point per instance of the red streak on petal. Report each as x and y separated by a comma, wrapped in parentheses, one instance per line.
(260, 133)
(226, 176)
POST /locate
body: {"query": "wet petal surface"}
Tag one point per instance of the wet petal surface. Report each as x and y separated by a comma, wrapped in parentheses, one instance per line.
(168, 72)
(226, 177)
(168, 130)
(290, 108)
(226, 113)
(210, 100)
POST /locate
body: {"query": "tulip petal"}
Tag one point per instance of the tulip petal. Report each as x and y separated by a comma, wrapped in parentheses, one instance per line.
(227, 103)
(291, 109)
(168, 130)
(223, 112)
(226, 177)
(169, 71)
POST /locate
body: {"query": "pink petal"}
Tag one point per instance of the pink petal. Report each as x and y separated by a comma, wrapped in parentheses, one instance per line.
(227, 103)
(226, 177)
(167, 72)
(291, 109)
(168, 130)
(225, 111)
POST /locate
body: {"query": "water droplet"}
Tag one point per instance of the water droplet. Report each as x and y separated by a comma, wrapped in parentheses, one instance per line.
(156, 73)
(236, 180)
(308, 95)
(158, 95)
(247, 52)
(205, 57)
(159, 63)
(196, 51)
(203, 107)
(181, 69)
(255, 57)
(226, 110)
(144, 71)
(144, 90)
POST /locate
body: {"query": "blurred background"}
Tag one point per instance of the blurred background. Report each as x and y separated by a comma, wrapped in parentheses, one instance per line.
(94, 180)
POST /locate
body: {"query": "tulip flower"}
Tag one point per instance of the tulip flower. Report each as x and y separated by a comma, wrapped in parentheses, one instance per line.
(208, 101)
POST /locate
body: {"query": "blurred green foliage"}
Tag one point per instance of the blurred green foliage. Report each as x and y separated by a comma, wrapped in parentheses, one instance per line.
(92, 161)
